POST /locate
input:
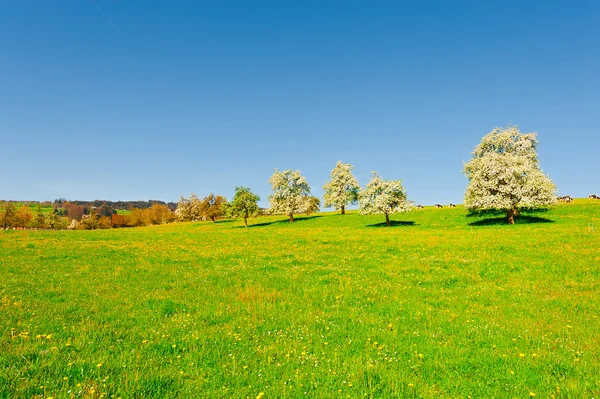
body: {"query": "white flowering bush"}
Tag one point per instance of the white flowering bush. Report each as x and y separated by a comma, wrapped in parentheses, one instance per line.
(504, 174)
(189, 209)
(342, 189)
(383, 197)
(289, 191)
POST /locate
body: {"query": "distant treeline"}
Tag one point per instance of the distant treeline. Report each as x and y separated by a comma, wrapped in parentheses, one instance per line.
(127, 205)
(62, 214)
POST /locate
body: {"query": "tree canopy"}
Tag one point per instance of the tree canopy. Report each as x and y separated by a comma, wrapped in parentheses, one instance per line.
(504, 174)
(189, 209)
(289, 189)
(383, 197)
(244, 204)
(342, 189)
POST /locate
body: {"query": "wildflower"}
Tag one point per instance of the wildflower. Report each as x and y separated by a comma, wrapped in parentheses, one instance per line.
(531, 394)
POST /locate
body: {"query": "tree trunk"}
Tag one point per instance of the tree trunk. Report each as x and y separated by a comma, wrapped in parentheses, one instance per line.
(387, 219)
(511, 215)
(246, 222)
(343, 209)
(214, 219)
(291, 217)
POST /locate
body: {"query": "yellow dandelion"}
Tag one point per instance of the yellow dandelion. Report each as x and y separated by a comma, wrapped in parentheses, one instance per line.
(531, 394)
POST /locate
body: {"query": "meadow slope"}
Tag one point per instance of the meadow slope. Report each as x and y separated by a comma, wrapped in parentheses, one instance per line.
(330, 306)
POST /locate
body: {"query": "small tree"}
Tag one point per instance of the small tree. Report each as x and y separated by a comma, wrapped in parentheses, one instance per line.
(211, 207)
(504, 175)
(160, 214)
(311, 204)
(7, 215)
(104, 222)
(23, 216)
(189, 209)
(342, 189)
(89, 221)
(38, 221)
(244, 204)
(289, 189)
(383, 197)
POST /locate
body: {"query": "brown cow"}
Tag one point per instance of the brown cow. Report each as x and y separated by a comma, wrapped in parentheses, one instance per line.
(420, 207)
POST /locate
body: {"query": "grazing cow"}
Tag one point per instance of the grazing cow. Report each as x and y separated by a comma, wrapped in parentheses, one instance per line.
(566, 198)
(439, 206)
(594, 197)
(452, 206)
(420, 207)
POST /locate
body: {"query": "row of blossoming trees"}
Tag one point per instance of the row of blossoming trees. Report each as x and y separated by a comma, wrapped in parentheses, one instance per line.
(504, 176)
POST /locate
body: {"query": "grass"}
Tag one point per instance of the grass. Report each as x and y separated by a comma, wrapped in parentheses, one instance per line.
(331, 306)
(34, 207)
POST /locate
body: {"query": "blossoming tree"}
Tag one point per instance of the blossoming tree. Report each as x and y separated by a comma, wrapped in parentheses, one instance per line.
(383, 197)
(342, 189)
(289, 191)
(504, 174)
(189, 209)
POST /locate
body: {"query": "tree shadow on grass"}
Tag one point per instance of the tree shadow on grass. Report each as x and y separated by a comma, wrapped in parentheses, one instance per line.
(280, 222)
(504, 221)
(393, 223)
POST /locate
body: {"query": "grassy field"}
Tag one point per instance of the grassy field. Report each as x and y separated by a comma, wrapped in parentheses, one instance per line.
(437, 306)
(34, 207)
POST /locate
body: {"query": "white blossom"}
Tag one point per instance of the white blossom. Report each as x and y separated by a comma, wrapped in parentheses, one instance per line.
(342, 189)
(383, 197)
(189, 209)
(504, 174)
(289, 191)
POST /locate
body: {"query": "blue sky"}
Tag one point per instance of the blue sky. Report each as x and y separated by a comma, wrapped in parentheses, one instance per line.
(160, 99)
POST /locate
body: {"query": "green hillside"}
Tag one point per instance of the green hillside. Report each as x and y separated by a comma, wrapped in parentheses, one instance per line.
(330, 306)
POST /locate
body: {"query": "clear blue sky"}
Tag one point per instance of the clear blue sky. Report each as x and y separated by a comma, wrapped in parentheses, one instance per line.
(155, 99)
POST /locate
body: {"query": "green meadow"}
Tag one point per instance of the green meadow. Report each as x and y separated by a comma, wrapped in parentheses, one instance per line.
(437, 306)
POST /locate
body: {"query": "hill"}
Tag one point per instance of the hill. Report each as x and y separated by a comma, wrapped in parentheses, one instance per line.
(438, 305)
